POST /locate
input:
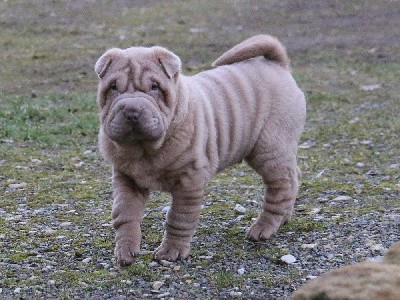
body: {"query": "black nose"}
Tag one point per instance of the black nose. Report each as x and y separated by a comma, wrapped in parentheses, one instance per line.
(132, 115)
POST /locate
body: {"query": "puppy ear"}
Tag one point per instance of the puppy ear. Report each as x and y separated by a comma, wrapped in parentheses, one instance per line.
(170, 62)
(104, 62)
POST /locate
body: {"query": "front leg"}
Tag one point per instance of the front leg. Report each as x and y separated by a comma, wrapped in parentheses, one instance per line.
(182, 221)
(127, 214)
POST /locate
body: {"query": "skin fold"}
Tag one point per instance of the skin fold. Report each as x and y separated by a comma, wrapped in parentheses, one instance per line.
(162, 130)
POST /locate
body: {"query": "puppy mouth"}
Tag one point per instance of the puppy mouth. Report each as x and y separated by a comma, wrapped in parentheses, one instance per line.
(134, 118)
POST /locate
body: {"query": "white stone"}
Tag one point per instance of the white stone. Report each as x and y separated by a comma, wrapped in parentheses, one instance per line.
(315, 211)
(239, 208)
(241, 271)
(235, 294)
(50, 231)
(342, 198)
(86, 260)
(15, 186)
(370, 87)
(360, 165)
(157, 285)
(166, 209)
(153, 264)
(166, 263)
(309, 246)
(65, 224)
(377, 247)
(288, 259)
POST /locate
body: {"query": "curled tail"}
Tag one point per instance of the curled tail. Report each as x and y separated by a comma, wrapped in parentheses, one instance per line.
(259, 45)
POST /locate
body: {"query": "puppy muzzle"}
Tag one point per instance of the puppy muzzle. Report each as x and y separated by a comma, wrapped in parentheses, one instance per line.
(134, 117)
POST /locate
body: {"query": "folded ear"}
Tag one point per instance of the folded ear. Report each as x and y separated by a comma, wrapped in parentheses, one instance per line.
(104, 62)
(170, 62)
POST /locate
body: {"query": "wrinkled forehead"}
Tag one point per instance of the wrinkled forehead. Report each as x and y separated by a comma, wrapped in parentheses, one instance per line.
(135, 60)
(138, 65)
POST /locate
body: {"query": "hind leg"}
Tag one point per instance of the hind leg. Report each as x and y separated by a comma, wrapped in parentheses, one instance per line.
(280, 173)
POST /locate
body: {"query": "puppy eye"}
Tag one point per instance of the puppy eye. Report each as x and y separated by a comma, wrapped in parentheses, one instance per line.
(155, 86)
(113, 86)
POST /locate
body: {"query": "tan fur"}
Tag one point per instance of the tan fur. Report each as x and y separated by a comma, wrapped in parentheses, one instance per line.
(362, 281)
(162, 130)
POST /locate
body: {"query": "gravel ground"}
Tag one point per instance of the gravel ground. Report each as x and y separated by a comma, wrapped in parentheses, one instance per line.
(50, 252)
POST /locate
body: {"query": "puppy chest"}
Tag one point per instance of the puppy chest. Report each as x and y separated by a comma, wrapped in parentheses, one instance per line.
(142, 175)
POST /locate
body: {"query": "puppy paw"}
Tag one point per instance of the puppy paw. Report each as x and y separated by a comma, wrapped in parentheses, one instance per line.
(259, 232)
(125, 252)
(172, 251)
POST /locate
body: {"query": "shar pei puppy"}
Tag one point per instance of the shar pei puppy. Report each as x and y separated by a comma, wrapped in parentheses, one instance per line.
(162, 130)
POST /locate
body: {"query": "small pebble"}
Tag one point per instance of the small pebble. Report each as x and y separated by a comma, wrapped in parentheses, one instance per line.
(153, 264)
(239, 208)
(15, 186)
(241, 271)
(288, 259)
(157, 285)
(235, 294)
(377, 247)
(86, 260)
(65, 224)
(308, 246)
(165, 263)
(342, 198)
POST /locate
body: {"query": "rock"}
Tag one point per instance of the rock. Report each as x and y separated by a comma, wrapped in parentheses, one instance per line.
(166, 209)
(308, 246)
(157, 285)
(235, 294)
(240, 209)
(65, 224)
(307, 144)
(367, 281)
(342, 198)
(288, 259)
(241, 271)
(163, 295)
(377, 247)
(153, 264)
(15, 186)
(166, 263)
(86, 260)
(370, 87)
(392, 256)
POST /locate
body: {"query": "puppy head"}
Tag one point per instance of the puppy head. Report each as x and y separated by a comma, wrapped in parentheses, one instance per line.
(137, 93)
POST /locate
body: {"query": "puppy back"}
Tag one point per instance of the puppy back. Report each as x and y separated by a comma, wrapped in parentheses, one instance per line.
(260, 45)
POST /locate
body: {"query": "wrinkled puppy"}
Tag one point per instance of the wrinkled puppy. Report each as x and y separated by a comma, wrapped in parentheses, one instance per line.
(162, 130)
